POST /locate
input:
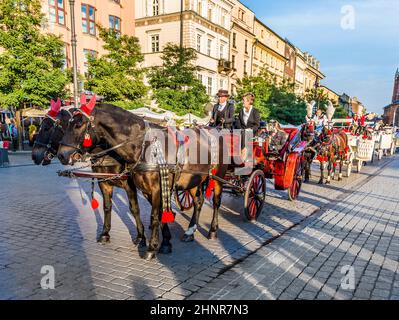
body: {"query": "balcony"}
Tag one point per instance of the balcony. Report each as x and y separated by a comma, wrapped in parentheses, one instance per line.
(224, 66)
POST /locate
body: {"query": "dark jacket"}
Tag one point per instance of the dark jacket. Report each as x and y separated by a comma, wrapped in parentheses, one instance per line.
(253, 120)
(228, 114)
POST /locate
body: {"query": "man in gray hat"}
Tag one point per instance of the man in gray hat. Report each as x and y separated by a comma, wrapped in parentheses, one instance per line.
(223, 111)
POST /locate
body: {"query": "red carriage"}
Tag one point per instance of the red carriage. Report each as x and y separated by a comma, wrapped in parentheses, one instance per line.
(286, 167)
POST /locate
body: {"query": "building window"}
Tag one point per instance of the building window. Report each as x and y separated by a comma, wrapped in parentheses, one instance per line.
(246, 46)
(233, 62)
(209, 48)
(89, 19)
(200, 78)
(115, 24)
(221, 84)
(155, 7)
(224, 21)
(199, 9)
(245, 67)
(210, 86)
(221, 51)
(87, 54)
(241, 15)
(57, 11)
(199, 39)
(210, 14)
(155, 43)
(234, 40)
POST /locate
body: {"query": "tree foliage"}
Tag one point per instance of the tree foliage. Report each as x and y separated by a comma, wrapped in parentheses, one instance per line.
(275, 100)
(31, 63)
(117, 75)
(321, 99)
(261, 86)
(175, 84)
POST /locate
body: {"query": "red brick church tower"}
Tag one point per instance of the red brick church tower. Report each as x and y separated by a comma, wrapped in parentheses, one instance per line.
(391, 112)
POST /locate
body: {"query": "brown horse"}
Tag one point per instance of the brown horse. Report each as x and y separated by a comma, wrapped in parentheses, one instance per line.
(332, 148)
(45, 148)
(128, 134)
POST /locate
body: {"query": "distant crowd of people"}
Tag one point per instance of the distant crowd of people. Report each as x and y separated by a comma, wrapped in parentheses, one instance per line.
(9, 132)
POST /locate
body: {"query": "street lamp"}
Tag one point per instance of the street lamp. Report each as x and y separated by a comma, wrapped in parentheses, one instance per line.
(74, 54)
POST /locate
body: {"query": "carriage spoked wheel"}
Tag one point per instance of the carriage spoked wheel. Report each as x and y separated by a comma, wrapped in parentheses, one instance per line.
(255, 195)
(295, 189)
(184, 200)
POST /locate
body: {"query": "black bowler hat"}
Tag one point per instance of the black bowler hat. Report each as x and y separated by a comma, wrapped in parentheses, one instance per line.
(223, 93)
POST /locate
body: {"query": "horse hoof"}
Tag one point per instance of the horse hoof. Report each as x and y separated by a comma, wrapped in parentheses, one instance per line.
(187, 238)
(165, 249)
(321, 182)
(340, 179)
(328, 182)
(104, 239)
(140, 242)
(212, 235)
(149, 255)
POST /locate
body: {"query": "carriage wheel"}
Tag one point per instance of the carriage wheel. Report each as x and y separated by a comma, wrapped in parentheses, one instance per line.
(255, 195)
(184, 200)
(294, 190)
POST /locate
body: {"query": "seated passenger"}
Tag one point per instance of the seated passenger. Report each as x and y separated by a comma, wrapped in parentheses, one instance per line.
(278, 137)
(249, 117)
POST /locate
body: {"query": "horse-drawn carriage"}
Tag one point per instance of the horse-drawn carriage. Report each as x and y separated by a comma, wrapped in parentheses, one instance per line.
(385, 142)
(285, 166)
(361, 146)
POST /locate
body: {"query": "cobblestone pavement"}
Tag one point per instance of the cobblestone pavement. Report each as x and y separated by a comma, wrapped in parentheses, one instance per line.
(47, 221)
(312, 260)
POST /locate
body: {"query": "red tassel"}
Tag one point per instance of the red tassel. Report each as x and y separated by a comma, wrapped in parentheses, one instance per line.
(346, 150)
(168, 217)
(87, 142)
(94, 204)
(211, 186)
(335, 165)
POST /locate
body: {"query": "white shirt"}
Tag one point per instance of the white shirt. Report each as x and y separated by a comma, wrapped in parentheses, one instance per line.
(222, 106)
(319, 122)
(246, 115)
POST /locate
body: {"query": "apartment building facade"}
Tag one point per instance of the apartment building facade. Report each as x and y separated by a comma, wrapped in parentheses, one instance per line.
(203, 25)
(241, 43)
(269, 51)
(115, 14)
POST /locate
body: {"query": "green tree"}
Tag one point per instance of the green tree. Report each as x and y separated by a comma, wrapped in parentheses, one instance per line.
(275, 100)
(117, 75)
(321, 98)
(175, 85)
(31, 63)
(286, 107)
(261, 86)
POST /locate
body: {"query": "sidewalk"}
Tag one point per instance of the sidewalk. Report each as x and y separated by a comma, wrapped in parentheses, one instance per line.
(358, 233)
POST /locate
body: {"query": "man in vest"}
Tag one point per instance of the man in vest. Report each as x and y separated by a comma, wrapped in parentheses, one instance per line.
(223, 111)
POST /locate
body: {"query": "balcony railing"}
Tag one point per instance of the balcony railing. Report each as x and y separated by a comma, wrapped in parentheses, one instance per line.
(225, 66)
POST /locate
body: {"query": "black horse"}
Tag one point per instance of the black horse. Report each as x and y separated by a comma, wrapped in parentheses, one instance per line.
(127, 133)
(45, 148)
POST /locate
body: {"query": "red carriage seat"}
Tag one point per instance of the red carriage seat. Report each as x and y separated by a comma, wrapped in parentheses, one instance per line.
(292, 132)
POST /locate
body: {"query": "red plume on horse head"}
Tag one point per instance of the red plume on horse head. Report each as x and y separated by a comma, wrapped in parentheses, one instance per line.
(87, 108)
(54, 108)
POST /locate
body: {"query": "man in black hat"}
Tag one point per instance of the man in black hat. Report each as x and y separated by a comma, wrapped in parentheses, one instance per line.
(223, 111)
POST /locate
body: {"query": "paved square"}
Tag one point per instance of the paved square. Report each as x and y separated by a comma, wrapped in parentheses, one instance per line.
(47, 221)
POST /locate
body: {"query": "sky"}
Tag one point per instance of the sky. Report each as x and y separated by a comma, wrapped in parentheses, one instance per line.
(357, 42)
